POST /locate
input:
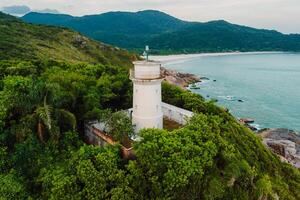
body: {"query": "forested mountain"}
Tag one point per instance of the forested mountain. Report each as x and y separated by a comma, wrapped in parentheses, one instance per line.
(220, 36)
(123, 29)
(45, 100)
(19, 40)
(167, 34)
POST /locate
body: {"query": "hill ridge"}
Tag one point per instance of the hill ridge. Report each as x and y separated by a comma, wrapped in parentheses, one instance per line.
(168, 34)
(49, 42)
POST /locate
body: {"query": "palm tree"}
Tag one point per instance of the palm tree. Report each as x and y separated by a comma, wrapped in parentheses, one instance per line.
(45, 117)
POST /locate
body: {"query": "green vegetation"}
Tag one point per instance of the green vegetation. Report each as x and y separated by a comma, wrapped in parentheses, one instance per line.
(123, 29)
(118, 125)
(19, 40)
(213, 157)
(43, 106)
(221, 36)
(168, 35)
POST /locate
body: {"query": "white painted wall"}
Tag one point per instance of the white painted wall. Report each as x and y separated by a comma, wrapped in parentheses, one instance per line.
(176, 114)
(148, 109)
(146, 70)
(147, 112)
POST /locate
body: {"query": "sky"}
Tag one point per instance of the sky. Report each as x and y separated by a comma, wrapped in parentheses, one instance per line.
(281, 15)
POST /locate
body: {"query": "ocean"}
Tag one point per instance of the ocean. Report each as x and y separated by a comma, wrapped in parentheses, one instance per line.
(261, 86)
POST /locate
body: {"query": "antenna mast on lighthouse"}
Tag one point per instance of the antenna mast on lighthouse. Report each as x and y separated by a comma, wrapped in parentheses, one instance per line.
(146, 53)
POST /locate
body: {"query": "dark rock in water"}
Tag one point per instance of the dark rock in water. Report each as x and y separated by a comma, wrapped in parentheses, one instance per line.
(246, 120)
(204, 78)
(252, 128)
(207, 96)
(248, 123)
(194, 86)
(215, 80)
(285, 143)
(240, 100)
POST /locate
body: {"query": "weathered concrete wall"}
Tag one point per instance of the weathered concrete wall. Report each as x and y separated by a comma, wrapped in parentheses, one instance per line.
(94, 134)
(176, 114)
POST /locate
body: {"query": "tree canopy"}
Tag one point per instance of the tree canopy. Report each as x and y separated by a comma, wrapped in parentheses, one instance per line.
(43, 108)
(45, 103)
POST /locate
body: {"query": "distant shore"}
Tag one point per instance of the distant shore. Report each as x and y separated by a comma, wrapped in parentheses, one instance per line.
(177, 57)
(183, 80)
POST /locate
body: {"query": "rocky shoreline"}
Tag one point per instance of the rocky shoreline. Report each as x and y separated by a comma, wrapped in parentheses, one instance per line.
(285, 143)
(248, 122)
(182, 80)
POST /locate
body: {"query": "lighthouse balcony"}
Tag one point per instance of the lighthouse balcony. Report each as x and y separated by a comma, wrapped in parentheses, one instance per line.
(146, 76)
(146, 70)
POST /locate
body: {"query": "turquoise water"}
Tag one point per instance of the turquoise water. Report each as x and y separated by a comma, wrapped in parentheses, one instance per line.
(268, 85)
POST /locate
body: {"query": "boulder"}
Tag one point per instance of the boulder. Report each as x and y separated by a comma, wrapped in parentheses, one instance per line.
(180, 79)
(285, 143)
(246, 120)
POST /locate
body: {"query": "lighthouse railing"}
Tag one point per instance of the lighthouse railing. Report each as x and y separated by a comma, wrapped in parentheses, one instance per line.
(132, 75)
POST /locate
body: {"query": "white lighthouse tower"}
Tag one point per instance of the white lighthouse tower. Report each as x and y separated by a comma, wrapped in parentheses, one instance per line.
(147, 101)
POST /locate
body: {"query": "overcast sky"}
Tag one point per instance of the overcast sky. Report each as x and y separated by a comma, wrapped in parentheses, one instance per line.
(282, 15)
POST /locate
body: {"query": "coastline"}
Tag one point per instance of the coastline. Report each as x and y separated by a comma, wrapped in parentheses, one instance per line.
(182, 80)
(168, 60)
(165, 59)
(283, 142)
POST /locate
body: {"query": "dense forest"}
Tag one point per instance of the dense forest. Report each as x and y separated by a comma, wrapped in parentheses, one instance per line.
(166, 34)
(44, 103)
(19, 40)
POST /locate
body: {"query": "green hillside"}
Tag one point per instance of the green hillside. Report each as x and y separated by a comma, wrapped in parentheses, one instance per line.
(19, 40)
(221, 36)
(44, 104)
(123, 29)
(167, 34)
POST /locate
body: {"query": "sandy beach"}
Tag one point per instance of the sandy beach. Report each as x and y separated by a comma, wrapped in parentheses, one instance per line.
(179, 57)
